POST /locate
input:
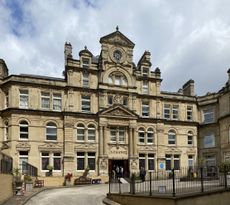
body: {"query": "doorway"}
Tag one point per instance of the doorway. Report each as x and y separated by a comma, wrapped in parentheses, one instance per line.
(115, 166)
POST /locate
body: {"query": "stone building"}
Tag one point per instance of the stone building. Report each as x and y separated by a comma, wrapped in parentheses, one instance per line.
(108, 112)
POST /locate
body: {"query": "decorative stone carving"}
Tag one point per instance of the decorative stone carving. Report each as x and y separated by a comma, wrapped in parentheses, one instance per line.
(118, 112)
(133, 164)
(147, 148)
(23, 146)
(84, 147)
(118, 152)
(104, 164)
(117, 99)
(50, 147)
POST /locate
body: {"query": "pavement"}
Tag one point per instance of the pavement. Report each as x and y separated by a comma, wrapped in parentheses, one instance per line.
(88, 194)
(20, 200)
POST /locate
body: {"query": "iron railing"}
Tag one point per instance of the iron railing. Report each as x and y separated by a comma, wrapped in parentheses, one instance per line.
(6, 164)
(29, 169)
(173, 182)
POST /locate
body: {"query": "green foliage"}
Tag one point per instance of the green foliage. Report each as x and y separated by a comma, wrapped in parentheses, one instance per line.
(49, 167)
(225, 167)
(27, 178)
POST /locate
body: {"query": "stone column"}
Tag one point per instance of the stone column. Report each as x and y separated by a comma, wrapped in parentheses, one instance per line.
(104, 141)
(100, 141)
(130, 142)
(134, 142)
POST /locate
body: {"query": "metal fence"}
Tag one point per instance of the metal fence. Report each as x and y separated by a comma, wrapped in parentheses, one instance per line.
(29, 169)
(173, 182)
(6, 164)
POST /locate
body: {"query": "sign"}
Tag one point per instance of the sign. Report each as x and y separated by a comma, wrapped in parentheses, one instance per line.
(118, 152)
(161, 165)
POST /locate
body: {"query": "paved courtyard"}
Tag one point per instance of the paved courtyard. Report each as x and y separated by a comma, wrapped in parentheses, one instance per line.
(93, 194)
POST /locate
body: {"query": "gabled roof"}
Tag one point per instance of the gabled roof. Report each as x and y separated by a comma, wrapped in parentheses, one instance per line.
(117, 37)
(118, 111)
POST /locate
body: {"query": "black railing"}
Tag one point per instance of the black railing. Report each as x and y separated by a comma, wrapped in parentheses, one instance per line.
(6, 165)
(29, 169)
(173, 182)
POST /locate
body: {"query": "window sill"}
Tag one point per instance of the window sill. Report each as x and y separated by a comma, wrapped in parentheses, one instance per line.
(21, 139)
(51, 141)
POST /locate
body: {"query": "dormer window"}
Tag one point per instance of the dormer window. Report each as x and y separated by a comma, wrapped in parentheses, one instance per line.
(145, 71)
(85, 62)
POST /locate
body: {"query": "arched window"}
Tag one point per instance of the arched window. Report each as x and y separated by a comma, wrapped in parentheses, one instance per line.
(171, 137)
(117, 78)
(24, 132)
(91, 133)
(141, 135)
(150, 136)
(51, 131)
(80, 132)
(190, 138)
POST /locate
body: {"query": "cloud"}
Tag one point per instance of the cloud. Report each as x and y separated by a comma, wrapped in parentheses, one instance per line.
(186, 39)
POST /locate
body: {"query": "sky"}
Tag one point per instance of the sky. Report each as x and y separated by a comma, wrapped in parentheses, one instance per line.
(187, 39)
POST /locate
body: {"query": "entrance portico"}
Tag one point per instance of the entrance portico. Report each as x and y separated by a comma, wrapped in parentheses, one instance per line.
(117, 140)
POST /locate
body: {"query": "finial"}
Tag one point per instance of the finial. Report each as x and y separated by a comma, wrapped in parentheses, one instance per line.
(117, 28)
(85, 47)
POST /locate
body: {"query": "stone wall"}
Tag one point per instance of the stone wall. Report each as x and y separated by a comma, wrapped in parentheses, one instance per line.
(212, 198)
(6, 190)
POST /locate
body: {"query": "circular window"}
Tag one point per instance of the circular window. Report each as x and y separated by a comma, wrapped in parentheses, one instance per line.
(117, 55)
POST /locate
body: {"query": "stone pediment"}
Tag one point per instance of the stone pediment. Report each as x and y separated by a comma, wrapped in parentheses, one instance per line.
(117, 38)
(23, 146)
(50, 147)
(116, 111)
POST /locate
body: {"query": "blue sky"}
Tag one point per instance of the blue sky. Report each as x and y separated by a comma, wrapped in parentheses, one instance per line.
(187, 39)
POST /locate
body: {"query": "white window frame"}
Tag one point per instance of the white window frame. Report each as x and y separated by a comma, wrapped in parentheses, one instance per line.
(190, 138)
(85, 103)
(167, 111)
(51, 125)
(150, 157)
(85, 79)
(50, 156)
(145, 87)
(23, 98)
(6, 99)
(145, 108)
(175, 112)
(151, 132)
(25, 125)
(22, 158)
(121, 137)
(141, 137)
(190, 160)
(189, 113)
(170, 139)
(145, 71)
(45, 100)
(91, 128)
(6, 131)
(81, 127)
(57, 102)
(113, 135)
(91, 157)
(84, 64)
(81, 157)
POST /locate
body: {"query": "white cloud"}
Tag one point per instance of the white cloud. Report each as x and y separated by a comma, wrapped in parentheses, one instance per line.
(186, 39)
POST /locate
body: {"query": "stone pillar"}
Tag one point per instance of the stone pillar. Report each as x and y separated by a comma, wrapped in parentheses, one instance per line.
(100, 141)
(130, 142)
(104, 141)
(134, 142)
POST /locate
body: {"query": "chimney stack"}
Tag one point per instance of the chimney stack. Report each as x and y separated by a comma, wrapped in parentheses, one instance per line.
(188, 88)
(68, 52)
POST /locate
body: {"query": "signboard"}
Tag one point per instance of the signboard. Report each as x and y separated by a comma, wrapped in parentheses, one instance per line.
(118, 152)
(161, 165)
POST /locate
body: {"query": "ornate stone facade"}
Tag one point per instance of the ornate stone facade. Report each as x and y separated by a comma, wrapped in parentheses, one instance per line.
(108, 111)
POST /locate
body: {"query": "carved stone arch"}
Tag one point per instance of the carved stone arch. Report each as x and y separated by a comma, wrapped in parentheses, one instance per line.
(23, 119)
(151, 127)
(173, 129)
(141, 127)
(80, 122)
(118, 69)
(48, 121)
(92, 123)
